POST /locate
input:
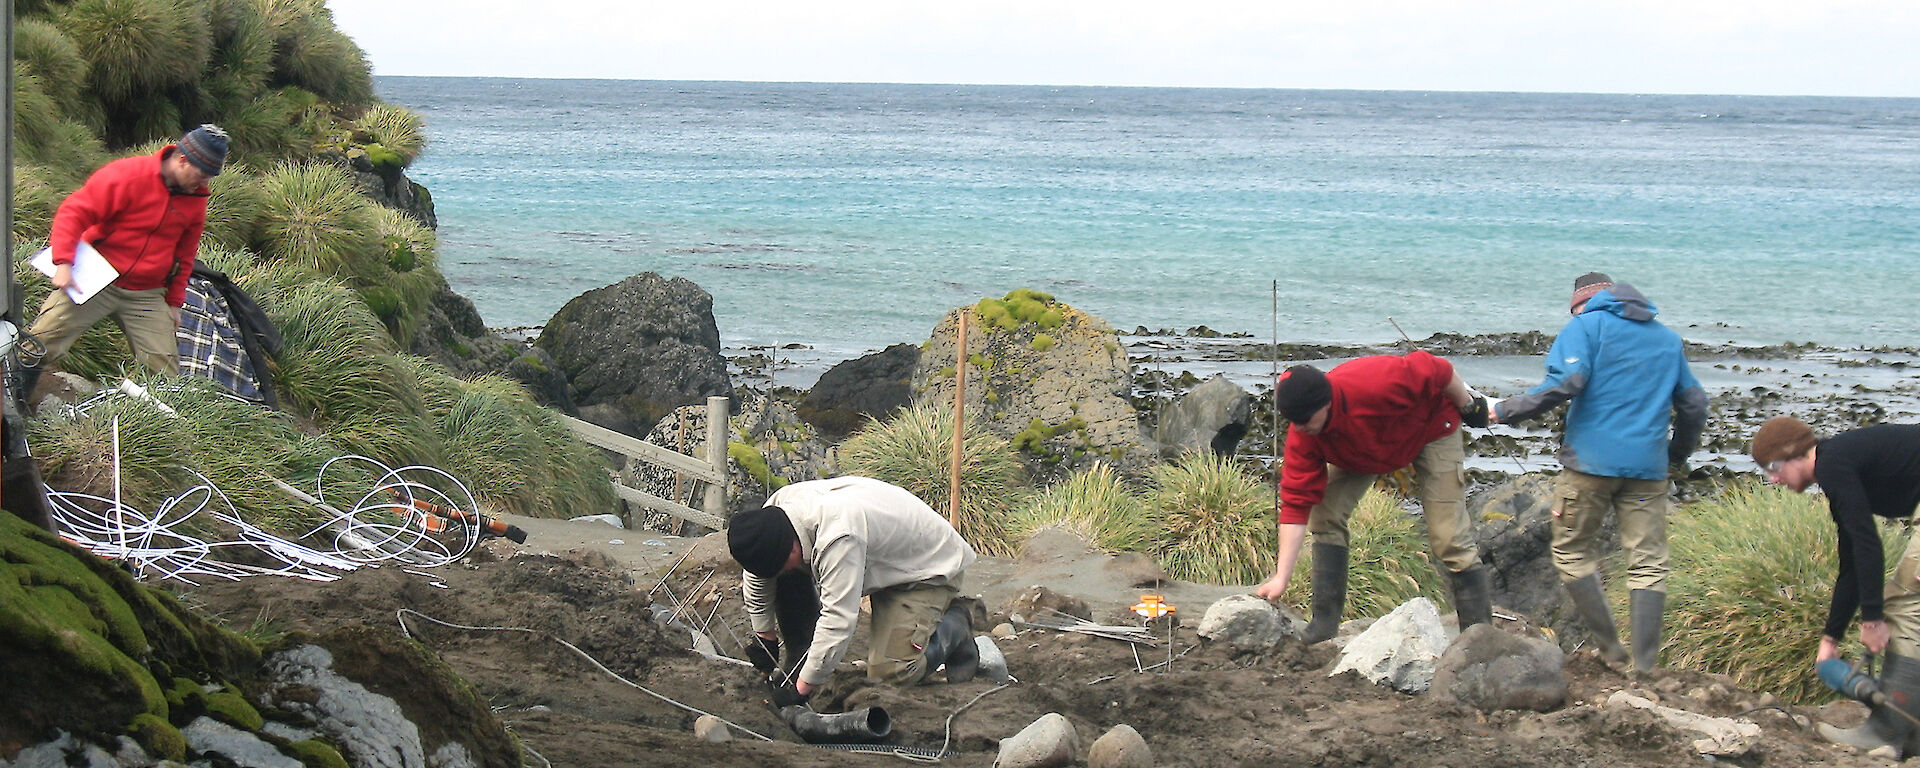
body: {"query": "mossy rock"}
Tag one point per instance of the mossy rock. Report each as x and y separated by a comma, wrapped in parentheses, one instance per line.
(750, 460)
(231, 708)
(314, 753)
(430, 693)
(84, 640)
(158, 737)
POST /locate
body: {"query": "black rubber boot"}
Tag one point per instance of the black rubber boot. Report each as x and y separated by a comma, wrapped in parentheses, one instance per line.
(1473, 596)
(1885, 725)
(1329, 592)
(1649, 607)
(952, 644)
(1590, 601)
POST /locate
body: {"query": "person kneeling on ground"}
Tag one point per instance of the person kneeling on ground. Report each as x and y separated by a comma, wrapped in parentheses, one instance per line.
(818, 547)
(1366, 418)
(1865, 472)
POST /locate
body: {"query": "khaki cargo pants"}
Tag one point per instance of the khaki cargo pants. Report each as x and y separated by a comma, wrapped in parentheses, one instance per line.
(1442, 495)
(143, 316)
(1580, 504)
(1902, 606)
(904, 617)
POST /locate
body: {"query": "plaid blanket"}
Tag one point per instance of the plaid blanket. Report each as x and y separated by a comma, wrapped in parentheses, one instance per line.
(211, 346)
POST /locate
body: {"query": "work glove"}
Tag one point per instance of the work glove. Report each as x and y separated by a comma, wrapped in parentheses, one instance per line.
(763, 654)
(786, 695)
(1477, 414)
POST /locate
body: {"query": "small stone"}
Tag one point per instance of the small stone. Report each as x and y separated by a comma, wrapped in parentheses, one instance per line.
(710, 729)
(1767, 699)
(1120, 747)
(1047, 743)
(1004, 630)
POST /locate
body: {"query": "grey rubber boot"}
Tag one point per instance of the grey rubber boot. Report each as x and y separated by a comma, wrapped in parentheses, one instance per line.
(1649, 607)
(1329, 592)
(952, 644)
(1590, 601)
(1473, 596)
(1885, 726)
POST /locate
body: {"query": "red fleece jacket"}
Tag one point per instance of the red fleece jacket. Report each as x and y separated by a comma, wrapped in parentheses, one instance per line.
(1384, 410)
(132, 218)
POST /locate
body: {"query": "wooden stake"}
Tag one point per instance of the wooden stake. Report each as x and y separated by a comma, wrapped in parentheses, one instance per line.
(959, 420)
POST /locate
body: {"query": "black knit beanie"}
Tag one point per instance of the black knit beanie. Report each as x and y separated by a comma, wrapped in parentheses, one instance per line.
(761, 540)
(206, 148)
(1302, 390)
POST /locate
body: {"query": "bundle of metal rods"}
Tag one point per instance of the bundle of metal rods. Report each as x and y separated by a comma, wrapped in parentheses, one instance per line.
(1061, 622)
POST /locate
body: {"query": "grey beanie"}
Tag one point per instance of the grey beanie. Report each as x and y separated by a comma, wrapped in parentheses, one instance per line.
(206, 148)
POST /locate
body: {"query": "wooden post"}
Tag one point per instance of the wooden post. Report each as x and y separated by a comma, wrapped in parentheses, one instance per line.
(959, 420)
(715, 501)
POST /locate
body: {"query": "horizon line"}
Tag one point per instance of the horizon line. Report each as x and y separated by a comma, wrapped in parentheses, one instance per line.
(1158, 87)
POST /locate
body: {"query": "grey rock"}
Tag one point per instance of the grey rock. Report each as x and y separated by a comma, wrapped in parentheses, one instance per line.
(206, 736)
(1490, 670)
(1136, 570)
(1048, 742)
(452, 754)
(1246, 623)
(1400, 650)
(710, 729)
(645, 346)
(1120, 747)
(369, 728)
(63, 752)
(1004, 630)
(1210, 417)
(993, 663)
(865, 388)
(1514, 534)
(792, 451)
(1035, 601)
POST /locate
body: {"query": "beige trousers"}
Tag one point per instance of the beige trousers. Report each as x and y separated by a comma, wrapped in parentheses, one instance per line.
(1902, 603)
(143, 316)
(1442, 495)
(1581, 502)
(904, 617)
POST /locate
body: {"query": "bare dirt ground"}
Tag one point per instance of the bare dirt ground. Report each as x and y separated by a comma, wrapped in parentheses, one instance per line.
(1212, 707)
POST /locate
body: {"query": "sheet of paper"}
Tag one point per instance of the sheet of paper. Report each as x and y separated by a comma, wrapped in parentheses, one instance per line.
(91, 272)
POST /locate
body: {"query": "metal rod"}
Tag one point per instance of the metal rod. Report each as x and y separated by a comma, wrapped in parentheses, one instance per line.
(669, 574)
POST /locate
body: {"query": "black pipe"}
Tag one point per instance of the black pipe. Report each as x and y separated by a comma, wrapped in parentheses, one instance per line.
(859, 726)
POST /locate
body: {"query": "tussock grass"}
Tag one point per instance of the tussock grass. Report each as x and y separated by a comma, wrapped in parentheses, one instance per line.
(913, 450)
(311, 53)
(40, 49)
(338, 368)
(1095, 505)
(1753, 571)
(1387, 561)
(36, 195)
(316, 218)
(137, 46)
(394, 127)
(49, 138)
(1218, 520)
(413, 277)
(235, 210)
(234, 444)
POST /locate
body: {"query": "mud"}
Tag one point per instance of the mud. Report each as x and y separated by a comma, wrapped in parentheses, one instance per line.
(1210, 707)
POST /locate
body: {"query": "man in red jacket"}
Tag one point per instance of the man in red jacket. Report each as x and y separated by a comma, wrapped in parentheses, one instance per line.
(1366, 418)
(144, 215)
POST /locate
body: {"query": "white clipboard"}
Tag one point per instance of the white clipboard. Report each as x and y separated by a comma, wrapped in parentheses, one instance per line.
(91, 272)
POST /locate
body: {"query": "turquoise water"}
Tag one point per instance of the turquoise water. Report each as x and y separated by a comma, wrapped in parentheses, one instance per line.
(850, 216)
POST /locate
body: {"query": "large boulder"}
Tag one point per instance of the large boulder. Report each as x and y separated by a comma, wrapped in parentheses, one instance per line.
(1246, 623)
(1051, 378)
(1210, 417)
(1514, 531)
(871, 387)
(1490, 670)
(1401, 650)
(768, 447)
(638, 349)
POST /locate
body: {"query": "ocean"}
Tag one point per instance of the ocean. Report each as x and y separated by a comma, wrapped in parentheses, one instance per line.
(847, 217)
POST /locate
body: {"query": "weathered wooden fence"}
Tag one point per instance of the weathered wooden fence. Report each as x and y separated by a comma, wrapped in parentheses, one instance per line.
(711, 470)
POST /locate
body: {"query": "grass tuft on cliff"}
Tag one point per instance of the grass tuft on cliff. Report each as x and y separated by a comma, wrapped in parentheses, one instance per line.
(1753, 572)
(914, 450)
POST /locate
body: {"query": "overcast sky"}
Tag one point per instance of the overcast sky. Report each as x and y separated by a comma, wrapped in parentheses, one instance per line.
(1823, 47)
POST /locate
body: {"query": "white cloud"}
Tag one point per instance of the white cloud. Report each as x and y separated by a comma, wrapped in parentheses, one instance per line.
(1842, 47)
